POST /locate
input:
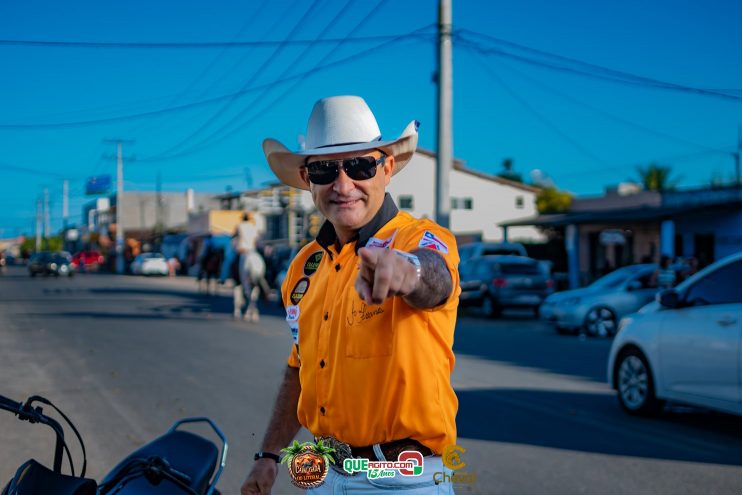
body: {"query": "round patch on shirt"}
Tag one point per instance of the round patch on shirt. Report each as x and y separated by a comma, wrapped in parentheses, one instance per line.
(297, 293)
(313, 263)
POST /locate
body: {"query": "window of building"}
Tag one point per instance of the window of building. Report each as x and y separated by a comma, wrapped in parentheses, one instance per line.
(406, 203)
(519, 202)
(468, 203)
(454, 203)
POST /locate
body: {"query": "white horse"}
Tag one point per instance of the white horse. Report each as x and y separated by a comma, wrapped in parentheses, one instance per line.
(252, 281)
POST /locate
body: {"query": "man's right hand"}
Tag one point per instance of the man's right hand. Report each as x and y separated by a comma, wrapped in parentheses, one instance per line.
(261, 478)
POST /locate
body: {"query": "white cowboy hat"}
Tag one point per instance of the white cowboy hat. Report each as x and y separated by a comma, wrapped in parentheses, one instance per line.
(339, 124)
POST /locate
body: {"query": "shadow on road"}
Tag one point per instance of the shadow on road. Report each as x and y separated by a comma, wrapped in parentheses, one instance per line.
(521, 340)
(188, 304)
(594, 423)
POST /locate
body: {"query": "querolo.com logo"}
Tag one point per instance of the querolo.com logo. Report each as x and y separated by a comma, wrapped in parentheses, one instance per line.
(408, 463)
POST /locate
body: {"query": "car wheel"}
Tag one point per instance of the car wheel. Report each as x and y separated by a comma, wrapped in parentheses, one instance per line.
(634, 383)
(600, 322)
(489, 308)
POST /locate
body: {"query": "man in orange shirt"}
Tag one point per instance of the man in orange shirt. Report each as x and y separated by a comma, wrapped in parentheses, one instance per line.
(371, 305)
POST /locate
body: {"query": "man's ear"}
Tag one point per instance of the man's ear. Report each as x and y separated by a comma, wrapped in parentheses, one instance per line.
(303, 174)
(388, 168)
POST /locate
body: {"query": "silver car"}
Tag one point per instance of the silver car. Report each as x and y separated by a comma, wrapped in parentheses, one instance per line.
(597, 309)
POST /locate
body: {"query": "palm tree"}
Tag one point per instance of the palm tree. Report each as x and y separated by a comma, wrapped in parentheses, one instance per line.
(655, 177)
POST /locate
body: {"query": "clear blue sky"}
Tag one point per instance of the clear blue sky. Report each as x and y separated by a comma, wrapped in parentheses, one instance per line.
(583, 132)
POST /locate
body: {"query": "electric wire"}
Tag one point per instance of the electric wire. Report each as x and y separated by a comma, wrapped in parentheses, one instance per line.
(215, 137)
(231, 132)
(604, 113)
(207, 101)
(189, 45)
(180, 96)
(548, 123)
(228, 104)
(594, 71)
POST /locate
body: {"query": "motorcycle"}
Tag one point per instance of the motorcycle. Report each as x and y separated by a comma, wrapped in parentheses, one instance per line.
(178, 462)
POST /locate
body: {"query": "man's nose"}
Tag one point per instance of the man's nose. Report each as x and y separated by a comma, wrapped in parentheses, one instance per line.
(343, 183)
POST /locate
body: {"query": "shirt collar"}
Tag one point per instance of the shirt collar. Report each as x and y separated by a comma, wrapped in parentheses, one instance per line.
(327, 236)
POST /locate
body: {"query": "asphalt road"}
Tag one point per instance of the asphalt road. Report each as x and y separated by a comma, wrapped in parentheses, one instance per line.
(124, 357)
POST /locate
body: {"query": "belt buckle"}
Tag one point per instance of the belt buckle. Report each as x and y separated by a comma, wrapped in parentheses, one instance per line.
(342, 452)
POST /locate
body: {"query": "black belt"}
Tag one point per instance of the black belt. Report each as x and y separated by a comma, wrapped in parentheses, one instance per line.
(391, 450)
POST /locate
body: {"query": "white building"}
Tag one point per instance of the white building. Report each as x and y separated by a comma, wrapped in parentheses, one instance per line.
(479, 201)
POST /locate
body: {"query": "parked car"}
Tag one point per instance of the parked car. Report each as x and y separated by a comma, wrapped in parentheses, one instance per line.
(87, 260)
(597, 308)
(477, 249)
(494, 283)
(150, 264)
(685, 347)
(47, 263)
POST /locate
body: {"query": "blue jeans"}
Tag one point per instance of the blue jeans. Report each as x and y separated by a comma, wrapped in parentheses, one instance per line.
(359, 484)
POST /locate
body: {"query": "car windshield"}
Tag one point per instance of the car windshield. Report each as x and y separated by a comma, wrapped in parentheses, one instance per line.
(616, 279)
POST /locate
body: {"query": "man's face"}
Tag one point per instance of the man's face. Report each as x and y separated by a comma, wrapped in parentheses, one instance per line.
(350, 204)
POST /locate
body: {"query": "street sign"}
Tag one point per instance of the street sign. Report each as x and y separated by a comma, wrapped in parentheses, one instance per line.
(98, 184)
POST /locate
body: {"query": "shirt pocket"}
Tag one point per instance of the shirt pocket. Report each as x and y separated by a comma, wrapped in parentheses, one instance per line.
(368, 330)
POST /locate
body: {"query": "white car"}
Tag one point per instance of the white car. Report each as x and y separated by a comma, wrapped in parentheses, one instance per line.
(149, 264)
(685, 347)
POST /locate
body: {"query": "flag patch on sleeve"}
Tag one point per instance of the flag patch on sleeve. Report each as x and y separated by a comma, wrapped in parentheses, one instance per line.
(430, 241)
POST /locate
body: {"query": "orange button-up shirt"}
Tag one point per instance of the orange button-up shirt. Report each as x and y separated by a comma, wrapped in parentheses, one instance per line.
(372, 374)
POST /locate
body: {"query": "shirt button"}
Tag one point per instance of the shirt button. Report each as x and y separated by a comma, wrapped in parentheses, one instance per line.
(327, 315)
(322, 410)
(322, 364)
(337, 267)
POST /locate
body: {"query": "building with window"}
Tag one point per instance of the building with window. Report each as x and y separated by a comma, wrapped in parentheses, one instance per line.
(479, 201)
(620, 229)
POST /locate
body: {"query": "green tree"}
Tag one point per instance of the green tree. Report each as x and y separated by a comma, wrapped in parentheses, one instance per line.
(47, 244)
(655, 177)
(552, 200)
(508, 172)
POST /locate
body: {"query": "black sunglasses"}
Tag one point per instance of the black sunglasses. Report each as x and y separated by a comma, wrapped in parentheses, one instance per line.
(325, 172)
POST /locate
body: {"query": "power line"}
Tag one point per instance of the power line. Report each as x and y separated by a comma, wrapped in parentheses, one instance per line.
(215, 136)
(607, 114)
(299, 76)
(594, 71)
(548, 123)
(30, 171)
(188, 45)
(207, 101)
(181, 95)
(256, 73)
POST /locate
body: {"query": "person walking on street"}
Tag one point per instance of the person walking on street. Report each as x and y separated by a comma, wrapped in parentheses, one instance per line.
(371, 305)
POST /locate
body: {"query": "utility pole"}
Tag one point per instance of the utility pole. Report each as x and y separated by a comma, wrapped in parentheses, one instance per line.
(120, 239)
(444, 162)
(65, 204)
(737, 154)
(38, 224)
(47, 229)
(158, 212)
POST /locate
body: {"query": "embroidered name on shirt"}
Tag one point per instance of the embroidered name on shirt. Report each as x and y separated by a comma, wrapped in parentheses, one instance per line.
(362, 314)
